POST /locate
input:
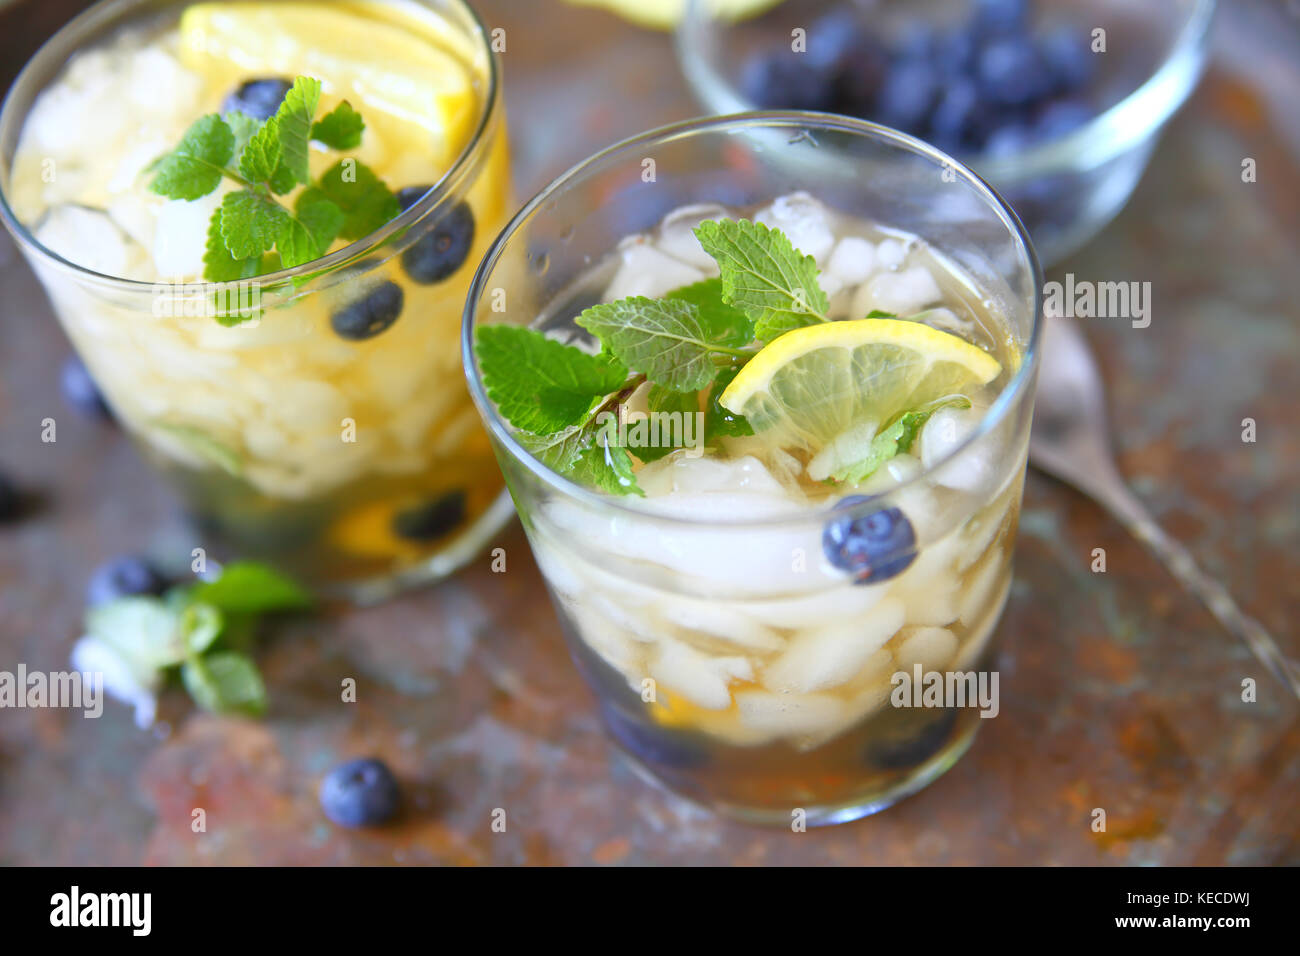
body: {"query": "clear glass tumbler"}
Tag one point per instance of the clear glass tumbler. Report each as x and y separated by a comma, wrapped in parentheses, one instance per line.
(627, 583)
(355, 463)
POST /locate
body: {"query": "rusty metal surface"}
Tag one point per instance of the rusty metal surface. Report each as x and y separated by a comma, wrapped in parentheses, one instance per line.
(1119, 691)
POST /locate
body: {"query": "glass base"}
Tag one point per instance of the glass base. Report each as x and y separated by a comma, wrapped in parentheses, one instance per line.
(462, 549)
(847, 811)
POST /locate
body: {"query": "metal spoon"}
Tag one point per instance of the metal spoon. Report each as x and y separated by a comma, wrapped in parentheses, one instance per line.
(1070, 440)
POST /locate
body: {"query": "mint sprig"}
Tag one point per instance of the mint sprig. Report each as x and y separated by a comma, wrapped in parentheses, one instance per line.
(200, 630)
(688, 345)
(253, 231)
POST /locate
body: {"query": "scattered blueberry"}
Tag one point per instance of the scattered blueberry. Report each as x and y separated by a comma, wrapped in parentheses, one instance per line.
(11, 500)
(80, 391)
(915, 744)
(371, 314)
(408, 196)
(431, 520)
(123, 577)
(360, 793)
(1012, 72)
(656, 745)
(954, 125)
(440, 252)
(1008, 140)
(257, 98)
(872, 548)
(834, 37)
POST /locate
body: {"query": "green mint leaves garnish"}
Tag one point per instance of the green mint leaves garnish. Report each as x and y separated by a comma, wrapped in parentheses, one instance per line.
(896, 439)
(688, 345)
(202, 629)
(254, 232)
(764, 276)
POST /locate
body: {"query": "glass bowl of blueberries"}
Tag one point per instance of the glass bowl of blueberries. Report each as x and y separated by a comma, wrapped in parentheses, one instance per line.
(1057, 103)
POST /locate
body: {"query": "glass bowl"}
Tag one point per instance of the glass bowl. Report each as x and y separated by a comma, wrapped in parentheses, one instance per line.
(1065, 188)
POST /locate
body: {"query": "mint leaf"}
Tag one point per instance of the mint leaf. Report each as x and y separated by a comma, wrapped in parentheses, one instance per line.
(307, 234)
(366, 202)
(764, 276)
(142, 630)
(720, 422)
(664, 401)
(292, 124)
(248, 587)
(195, 167)
(225, 683)
(251, 222)
(541, 385)
(607, 464)
(895, 439)
(579, 453)
(218, 264)
(706, 295)
(667, 340)
(205, 446)
(261, 155)
(244, 127)
(340, 128)
(200, 625)
(881, 314)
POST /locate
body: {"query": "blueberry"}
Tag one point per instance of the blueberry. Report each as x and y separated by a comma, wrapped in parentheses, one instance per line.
(359, 793)
(1061, 118)
(432, 519)
(1001, 16)
(122, 577)
(440, 252)
(80, 391)
(408, 196)
(908, 94)
(1068, 56)
(1012, 72)
(371, 314)
(955, 53)
(11, 500)
(833, 37)
(257, 98)
(872, 548)
(783, 79)
(859, 78)
(917, 41)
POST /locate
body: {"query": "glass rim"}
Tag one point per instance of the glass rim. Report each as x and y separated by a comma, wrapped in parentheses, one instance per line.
(1021, 381)
(329, 262)
(1129, 120)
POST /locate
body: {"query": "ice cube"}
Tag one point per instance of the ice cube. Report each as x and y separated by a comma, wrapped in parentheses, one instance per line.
(613, 646)
(181, 236)
(843, 450)
(86, 237)
(979, 587)
(929, 587)
(902, 293)
(931, 647)
(947, 428)
(890, 254)
(852, 261)
(679, 473)
(804, 222)
(845, 602)
(788, 715)
(728, 621)
(830, 284)
(135, 216)
(634, 622)
(701, 679)
(945, 320)
(898, 470)
(677, 235)
(305, 406)
(832, 655)
(647, 271)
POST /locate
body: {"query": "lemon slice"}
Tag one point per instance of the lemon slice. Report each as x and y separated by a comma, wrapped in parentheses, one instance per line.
(665, 14)
(398, 78)
(816, 383)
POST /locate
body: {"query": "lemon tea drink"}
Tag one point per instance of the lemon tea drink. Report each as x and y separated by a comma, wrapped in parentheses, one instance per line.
(770, 460)
(257, 223)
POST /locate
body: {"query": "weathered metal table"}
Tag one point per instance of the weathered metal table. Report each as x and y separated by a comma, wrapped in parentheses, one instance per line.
(1119, 690)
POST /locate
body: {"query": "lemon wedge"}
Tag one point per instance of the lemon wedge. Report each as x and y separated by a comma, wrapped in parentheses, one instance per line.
(818, 382)
(400, 80)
